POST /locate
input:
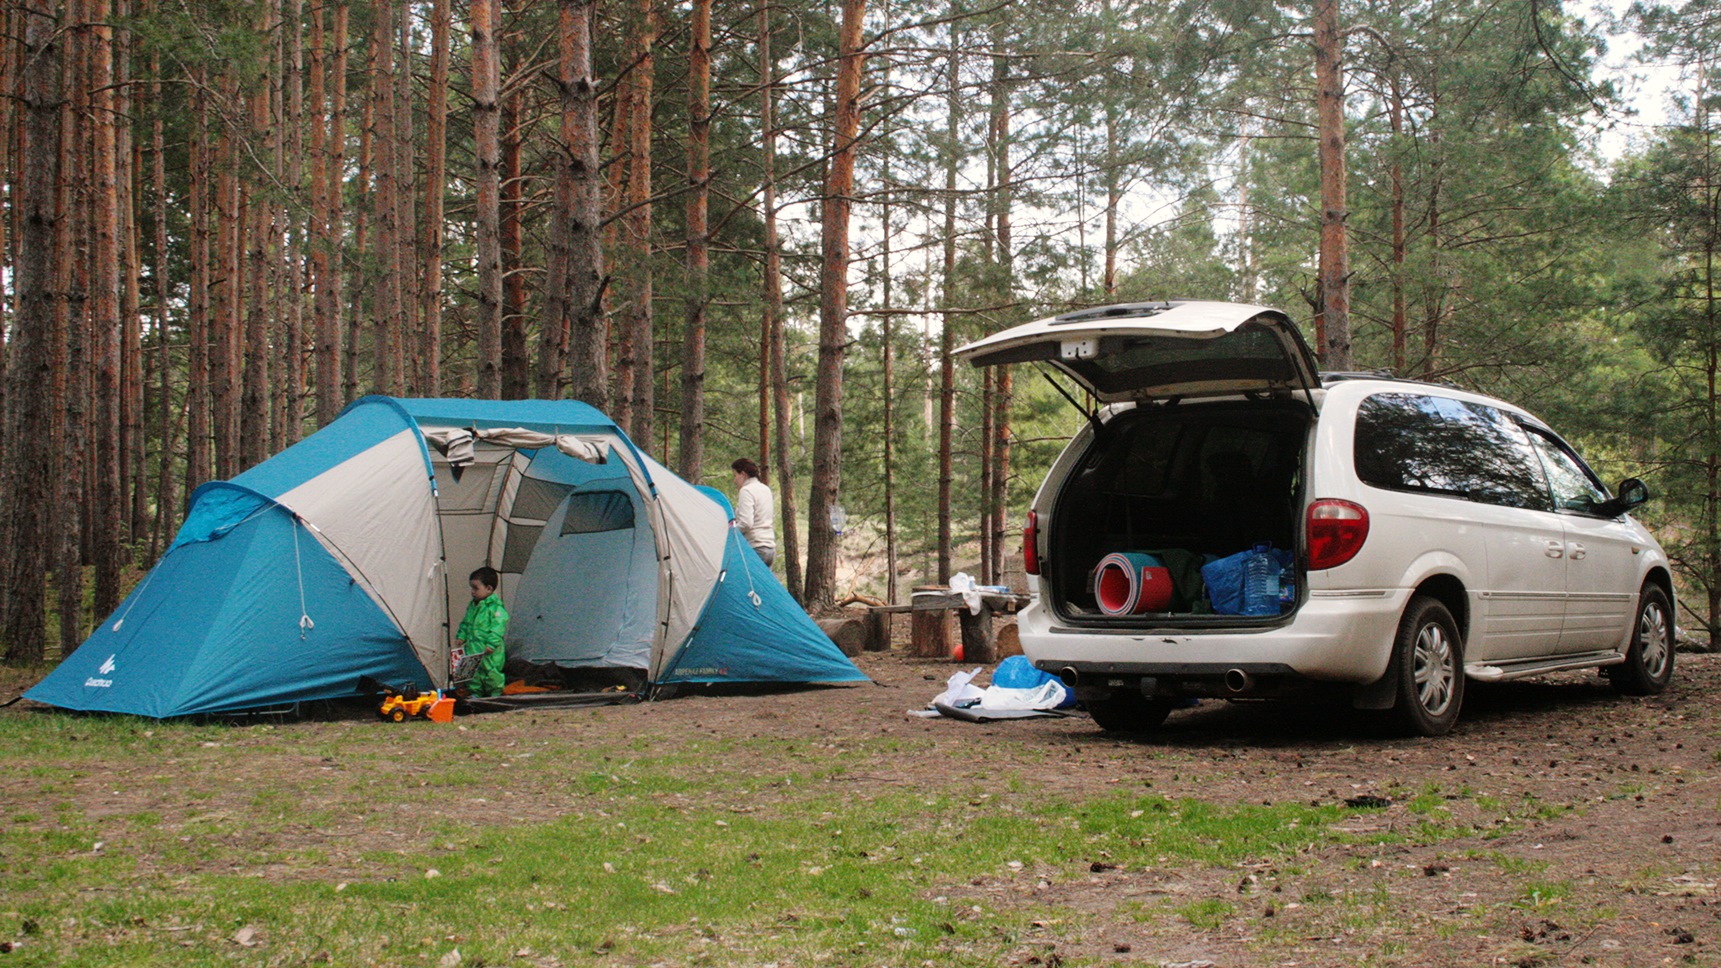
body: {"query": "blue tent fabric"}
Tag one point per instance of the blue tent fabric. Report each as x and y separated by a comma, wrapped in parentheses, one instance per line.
(753, 630)
(217, 627)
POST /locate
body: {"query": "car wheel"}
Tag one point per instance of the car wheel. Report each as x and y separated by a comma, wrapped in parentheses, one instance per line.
(1428, 656)
(1648, 666)
(1128, 712)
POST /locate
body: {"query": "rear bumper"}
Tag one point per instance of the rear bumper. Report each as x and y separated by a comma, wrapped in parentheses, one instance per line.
(1333, 637)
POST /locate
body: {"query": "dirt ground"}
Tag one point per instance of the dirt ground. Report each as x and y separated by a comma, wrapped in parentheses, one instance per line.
(1620, 816)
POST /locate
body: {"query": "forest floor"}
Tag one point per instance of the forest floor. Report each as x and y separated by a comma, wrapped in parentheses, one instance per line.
(1576, 826)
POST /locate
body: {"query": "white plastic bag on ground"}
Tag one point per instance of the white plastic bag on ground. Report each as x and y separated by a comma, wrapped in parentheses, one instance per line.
(960, 690)
(1047, 695)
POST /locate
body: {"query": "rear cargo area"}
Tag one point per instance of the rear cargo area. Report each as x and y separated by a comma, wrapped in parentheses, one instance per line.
(1186, 484)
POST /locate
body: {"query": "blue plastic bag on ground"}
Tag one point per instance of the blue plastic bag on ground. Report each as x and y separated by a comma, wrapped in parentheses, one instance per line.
(1016, 672)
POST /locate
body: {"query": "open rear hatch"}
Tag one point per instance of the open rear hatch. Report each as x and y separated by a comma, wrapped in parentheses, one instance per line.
(1156, 351)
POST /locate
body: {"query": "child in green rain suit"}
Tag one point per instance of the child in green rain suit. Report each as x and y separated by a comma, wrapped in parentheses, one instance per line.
(482, 629)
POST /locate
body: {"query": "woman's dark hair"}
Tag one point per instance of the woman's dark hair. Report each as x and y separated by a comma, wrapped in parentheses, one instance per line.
(746, 466)
(488, 576)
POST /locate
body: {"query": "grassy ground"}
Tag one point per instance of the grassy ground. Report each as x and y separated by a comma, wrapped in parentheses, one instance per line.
(1559, 825)
(207, 849)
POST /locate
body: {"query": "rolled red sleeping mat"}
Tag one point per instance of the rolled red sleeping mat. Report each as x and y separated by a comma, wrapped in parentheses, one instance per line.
(1131, 582)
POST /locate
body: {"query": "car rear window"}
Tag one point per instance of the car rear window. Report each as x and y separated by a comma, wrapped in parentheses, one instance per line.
(1456, 448)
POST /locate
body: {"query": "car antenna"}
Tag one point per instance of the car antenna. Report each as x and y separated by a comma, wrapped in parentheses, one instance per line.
(1093, 420)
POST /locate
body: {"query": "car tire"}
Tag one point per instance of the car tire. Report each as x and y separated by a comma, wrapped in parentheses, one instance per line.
(1128, 712)
(1648, 666)
(1428, 660)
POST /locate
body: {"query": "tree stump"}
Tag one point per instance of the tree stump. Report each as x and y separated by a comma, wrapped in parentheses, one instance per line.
(930, 632)
(878, 631)
(978, 642)
(1009, 640)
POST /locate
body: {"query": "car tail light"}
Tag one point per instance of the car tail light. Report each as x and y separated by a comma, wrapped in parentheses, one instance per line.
(1337, 530)
(1031, 544)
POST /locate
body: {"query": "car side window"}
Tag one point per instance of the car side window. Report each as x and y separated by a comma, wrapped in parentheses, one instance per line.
(1440, 445)
(1573, 486)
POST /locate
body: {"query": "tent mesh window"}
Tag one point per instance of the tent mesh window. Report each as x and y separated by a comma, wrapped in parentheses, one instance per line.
(522, 538)
(596, 511)
(537, 499)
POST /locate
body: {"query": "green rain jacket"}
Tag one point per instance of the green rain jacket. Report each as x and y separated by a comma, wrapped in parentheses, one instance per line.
(483, 627)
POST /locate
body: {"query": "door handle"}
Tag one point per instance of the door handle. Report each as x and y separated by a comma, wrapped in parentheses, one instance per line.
(1577, 551)
(1556, 549)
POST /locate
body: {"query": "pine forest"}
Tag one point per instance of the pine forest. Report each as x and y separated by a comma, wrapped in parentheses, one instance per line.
(760, 228)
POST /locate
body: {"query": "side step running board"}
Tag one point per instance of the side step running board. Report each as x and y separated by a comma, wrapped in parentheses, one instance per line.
(1506, 671)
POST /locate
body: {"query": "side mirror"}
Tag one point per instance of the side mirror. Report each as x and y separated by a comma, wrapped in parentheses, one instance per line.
(1631, 493)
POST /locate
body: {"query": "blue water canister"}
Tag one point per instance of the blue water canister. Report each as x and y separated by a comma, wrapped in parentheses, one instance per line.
(1287, 587)
(1261, 582)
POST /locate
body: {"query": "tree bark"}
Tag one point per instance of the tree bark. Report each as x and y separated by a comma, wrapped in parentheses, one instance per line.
(638, 331)
(30, 452)
(197, 376)
(947, 335)
(516, 361)
(692, 450)
(833, 309)
(586, 329)
(773, 321)
(386, 329)
(72, 327)
(486, 22)
(432, 233)
(104, 303)
(1332, 325)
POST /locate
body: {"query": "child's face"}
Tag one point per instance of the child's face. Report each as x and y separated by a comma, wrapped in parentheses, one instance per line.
(480, 591)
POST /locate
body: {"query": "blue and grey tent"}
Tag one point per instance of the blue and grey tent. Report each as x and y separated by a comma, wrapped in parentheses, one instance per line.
(346, 556)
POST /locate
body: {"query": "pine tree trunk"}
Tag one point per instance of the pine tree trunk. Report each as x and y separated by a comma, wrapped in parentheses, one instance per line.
(947, 337)
(197, 376)
(698, 256)
(326, 341)
(340, 373)
(833, 310)
(254, 414)
(104, 320)
(407, 376)
(637, 324)
(1003, 381)
(486, 22)
(291, 405)
(773, 328)
(587, 329)
(1332, 326)
(30, 452)
(166, 500)
(385, 330)
(432, 232)
(229, 245)
(73, 325)
(516, 360)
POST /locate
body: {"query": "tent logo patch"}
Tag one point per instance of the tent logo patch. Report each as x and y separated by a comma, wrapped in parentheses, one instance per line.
(106, 667)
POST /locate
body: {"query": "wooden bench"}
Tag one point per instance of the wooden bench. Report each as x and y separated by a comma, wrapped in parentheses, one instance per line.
(931, 607)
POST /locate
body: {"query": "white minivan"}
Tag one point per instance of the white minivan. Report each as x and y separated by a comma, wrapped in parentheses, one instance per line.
(1435, 535)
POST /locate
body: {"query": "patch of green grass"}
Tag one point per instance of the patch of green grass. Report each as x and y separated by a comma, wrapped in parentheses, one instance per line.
(1207, 914)
(1537, 895)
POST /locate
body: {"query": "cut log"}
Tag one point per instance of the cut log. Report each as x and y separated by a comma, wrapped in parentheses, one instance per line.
(1009, 640)
(856, 632)
(978, 643)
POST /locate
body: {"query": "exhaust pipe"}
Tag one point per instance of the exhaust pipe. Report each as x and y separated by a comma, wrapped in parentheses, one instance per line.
(1069, 676)
(1239, 681)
